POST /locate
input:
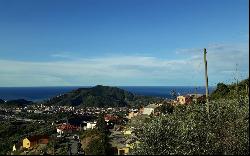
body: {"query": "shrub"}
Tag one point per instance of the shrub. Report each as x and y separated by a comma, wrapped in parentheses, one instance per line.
(189, 130)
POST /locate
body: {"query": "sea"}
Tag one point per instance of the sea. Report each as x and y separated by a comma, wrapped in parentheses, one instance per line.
(37, 94)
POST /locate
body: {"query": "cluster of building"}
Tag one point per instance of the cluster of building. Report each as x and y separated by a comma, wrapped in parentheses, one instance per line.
(56, 109)
(124, 137)
(124, 145)
(31, 141)
(189, 98)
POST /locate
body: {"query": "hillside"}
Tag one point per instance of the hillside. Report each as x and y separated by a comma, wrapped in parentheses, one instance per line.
(15, 103)
(100, 96)
(2, 101)
(231, 90)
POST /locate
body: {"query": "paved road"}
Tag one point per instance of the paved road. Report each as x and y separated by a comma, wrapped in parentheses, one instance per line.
(74, 146)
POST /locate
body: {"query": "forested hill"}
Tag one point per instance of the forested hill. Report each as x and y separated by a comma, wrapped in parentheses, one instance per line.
(15, 103)
(2, 101)
(232, 90)
(100, 96)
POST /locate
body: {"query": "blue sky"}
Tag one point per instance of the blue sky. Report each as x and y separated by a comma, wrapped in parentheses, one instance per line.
(122, 42)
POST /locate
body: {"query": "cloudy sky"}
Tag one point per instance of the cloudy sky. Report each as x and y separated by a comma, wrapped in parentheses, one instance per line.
(122, 42)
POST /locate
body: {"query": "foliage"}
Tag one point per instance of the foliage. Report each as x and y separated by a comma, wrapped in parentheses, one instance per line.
(189, 130)
(101, 124)
(97, 146)
(231, 91)
(138, 121)
(15, 103)
(100, 96)
(12, 131)
(96, 142)
(165, 108)
(221, 91)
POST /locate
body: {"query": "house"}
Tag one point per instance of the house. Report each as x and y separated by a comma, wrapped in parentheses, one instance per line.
(118, 143)
(123, 151)
(141, 110)
(63, 128)
(130, 144)
(132, 114)
(198, 98)
(149, 109)
(184, 99)
(31, 141)
(89, 125)
(109, 117)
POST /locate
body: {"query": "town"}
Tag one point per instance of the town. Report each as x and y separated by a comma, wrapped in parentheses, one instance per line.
(65, 131)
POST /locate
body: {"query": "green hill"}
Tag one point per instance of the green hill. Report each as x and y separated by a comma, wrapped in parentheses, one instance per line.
(15, 103)
(231, 91)
(100, 96)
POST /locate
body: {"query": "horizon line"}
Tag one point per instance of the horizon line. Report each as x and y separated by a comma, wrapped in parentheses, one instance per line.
(108, 86)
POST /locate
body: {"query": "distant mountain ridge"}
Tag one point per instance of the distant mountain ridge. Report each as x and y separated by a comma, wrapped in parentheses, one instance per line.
(100, 96)
(16, 103)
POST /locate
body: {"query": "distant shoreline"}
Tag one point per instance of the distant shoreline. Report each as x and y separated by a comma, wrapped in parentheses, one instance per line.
(37, 94)
(88, 86)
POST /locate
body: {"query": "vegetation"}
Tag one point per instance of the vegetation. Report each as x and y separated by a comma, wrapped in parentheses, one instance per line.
(100, 96)
(190, 130)
(231, 91)
(165, 108)
(221, 91)
(179, 130)
(96, 141)
(2, 101)
(15, 103)
(12, 132)
(101, 125)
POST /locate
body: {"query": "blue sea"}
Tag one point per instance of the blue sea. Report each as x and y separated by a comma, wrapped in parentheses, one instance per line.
(43, 93)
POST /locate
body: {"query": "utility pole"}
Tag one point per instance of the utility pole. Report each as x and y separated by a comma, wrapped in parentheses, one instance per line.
(247, 90)
(53, 137)
(237, 82)
(196, 96)
(206, 78)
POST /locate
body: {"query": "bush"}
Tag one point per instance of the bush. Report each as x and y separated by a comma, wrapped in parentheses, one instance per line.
(189, 130)
(165, 108)
(96, 140)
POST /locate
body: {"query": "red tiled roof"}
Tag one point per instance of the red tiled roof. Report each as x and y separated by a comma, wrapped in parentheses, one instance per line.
(110, 117)
(67, 127)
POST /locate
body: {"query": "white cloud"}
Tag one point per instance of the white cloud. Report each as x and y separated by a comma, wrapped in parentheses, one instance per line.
(130, 70)
(63, 55)
(222, 60)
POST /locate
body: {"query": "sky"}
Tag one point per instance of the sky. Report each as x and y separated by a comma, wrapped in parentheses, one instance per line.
(122, 42)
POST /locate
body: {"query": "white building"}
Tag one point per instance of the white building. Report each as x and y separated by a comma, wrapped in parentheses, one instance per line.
(60, 131)
(149, 109)
(90, 125)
